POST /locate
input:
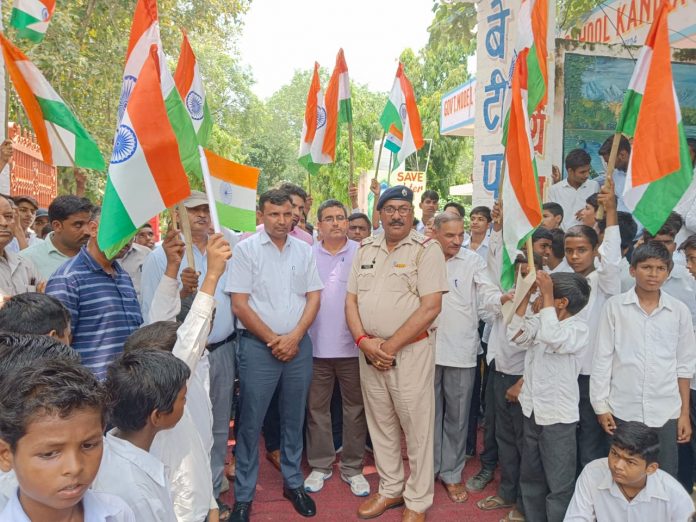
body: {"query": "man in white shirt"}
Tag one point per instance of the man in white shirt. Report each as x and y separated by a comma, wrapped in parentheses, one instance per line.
(554, 339)
(457, 345)
(628, 485)
(620, 167)
(645, 357)
(275, 288)
(572, 192)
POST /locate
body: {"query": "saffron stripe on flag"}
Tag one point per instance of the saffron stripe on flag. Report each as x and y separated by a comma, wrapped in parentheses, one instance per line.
(241, 175)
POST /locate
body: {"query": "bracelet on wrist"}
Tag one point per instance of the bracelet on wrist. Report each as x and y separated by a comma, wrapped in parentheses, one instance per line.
(361, 338)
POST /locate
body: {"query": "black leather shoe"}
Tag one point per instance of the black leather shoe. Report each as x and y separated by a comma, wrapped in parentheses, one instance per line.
(240, 512)
(302, 502)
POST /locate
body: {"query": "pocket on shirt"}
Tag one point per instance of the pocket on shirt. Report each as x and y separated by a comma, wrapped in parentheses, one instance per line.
(365, 281)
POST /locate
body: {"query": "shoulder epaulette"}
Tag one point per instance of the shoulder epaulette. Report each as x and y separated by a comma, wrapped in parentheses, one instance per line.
(367, 241)
(420, 238)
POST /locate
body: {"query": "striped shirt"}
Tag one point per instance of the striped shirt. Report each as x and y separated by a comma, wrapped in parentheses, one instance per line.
(104, 309)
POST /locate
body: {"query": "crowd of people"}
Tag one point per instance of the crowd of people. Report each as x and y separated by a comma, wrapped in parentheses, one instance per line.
(119, 377)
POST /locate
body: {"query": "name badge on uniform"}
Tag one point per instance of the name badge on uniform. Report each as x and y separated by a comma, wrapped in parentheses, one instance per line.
(366, 267)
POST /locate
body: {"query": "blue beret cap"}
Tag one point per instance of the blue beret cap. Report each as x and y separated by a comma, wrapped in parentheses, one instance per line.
(398, 192)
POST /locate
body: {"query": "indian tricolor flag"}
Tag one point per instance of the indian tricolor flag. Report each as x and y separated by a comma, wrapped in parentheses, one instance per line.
(400, 119)
(145, 175)
(62, 138)
(520, 188)
(145, 32)
(311, 155)
(231, 189)
(338, 105)
(31, 18)
(189, 83)
(659, 170)
(531, 46)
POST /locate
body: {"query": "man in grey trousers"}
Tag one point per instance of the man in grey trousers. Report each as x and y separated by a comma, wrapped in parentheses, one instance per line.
(457, 345)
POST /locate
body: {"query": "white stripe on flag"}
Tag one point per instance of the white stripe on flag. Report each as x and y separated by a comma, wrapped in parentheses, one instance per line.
(640, 73)
(135, 184)
(141, 50)
(60, 155)
(31, 7)
(37, 83)
(233, 195)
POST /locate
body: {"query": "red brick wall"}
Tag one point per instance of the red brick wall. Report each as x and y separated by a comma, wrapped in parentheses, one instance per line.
(29, 175)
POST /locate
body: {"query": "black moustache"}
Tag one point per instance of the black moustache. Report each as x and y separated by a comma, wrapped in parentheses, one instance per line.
(396, 223)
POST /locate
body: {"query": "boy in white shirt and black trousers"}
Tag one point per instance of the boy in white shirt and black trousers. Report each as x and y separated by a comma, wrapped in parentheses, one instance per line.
(645, 357)
(555, 339)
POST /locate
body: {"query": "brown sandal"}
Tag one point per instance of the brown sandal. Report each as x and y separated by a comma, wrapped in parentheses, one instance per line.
(492, 502)
(457, 493)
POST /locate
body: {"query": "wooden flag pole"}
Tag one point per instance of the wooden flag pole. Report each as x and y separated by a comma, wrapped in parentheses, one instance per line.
(610, 167)
(309, 183)
(186, 230)
(350, 151)
(530, 255)
(379, 154)
(500, 186)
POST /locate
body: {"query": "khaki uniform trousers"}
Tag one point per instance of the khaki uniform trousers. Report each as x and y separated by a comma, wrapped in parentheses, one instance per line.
(403, 398)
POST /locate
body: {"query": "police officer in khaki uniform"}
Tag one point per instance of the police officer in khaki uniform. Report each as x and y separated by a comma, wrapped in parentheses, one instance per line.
(394, 294)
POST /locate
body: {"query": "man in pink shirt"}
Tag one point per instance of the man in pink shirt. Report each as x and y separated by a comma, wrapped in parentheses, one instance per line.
(335, 357)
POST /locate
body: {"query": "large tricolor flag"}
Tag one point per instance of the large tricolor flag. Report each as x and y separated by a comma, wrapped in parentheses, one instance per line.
(62, 138)
(659, 170)
(401, 120)
(232, 188)
(339, 108)
(189, 83)
(31, 18)
(145, 32)
(145, 174)
(311, 155)
(520, 186)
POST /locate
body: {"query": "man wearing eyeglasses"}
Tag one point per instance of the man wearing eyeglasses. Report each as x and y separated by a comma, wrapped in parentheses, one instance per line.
(394, 294)
(335, 358)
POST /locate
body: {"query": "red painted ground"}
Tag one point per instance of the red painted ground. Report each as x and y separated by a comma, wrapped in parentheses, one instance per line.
(335, 502)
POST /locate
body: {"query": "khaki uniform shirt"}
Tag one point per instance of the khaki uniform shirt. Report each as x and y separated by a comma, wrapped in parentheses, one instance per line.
(17, 275)
(389, 285)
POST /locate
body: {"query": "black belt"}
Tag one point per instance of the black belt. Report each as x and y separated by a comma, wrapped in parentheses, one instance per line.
(246, 333)
(214, 346)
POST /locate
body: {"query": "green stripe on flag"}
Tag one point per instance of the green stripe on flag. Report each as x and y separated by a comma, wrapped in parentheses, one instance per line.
(206, 126)
(87, 153)
(236, 218)
(629, 113)
(390, 116)
(535, 81)
(20, 20)
(115, 224)
(185, 133)
(308, 164)
(345, 111)
(661, 196)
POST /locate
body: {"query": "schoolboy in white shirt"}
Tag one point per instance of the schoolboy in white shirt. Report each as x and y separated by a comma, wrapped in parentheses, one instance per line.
(555, 339)
(628, 485)
(146, 393)
(185, 449)
(51, 422)
(645, 357)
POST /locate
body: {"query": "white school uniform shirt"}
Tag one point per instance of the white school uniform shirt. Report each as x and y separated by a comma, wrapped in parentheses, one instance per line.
(98, 507)
(680, 284)
(639, 358)
(138, 477)
(605, 281)
(277, 281)
(571, 199)
(551, 365)
(185, 449)
(8, 485)
(472, 295)
(598, 497)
